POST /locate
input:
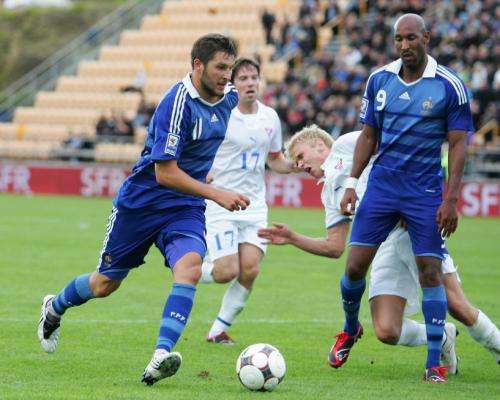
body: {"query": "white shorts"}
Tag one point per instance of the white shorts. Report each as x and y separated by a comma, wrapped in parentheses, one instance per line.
(224, 236)
(395, 272)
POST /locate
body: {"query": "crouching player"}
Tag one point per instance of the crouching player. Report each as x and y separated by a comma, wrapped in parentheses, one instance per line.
(394, 285)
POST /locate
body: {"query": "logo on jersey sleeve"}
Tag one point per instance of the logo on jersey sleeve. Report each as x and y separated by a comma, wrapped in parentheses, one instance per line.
(172, 144)
(364, 107)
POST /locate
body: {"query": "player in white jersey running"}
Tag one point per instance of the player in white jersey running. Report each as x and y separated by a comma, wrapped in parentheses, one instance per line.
(253, 138)
(394, 285)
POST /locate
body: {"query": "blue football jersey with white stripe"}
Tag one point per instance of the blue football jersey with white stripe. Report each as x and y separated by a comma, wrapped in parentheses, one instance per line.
(413, 119)
(186, 128)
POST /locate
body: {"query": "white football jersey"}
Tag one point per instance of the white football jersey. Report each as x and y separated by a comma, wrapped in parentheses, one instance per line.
(337, 168)
(240, 162)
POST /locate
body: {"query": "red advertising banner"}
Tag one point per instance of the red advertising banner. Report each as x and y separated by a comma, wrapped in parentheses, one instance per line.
(476, 198)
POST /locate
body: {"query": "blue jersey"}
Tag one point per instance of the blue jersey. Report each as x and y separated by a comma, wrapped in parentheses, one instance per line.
(413, 119)
(186, 128)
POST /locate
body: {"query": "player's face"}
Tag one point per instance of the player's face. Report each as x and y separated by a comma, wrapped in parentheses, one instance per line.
(247, 81)
(309, 158)
(216, 73)
(411, 43)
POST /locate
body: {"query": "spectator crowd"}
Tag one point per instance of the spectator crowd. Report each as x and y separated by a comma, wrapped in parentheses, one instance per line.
(324, 82)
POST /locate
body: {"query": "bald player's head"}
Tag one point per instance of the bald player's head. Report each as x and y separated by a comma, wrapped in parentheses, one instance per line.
(411, 39)
(415, 19)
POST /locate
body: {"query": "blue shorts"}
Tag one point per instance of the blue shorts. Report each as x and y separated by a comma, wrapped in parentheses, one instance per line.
(393, 195)
(175, 231)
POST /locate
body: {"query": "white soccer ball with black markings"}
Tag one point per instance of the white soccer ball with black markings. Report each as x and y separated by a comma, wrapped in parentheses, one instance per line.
(260, 367)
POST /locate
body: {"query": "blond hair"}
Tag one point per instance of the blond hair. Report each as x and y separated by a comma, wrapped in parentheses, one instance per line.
(308, 134)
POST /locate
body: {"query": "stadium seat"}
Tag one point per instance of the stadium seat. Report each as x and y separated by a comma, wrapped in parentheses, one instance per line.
(59, 116)
(130, 69)
(118, 101)
(42, 132)
(187, 37)
(110, 152)
(24, 149)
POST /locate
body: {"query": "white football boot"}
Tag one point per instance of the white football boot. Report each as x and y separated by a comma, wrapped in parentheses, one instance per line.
(448, 353)
(48, 327)
(162, 365)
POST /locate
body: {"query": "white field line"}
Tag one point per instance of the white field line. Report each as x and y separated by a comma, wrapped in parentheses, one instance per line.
(196, 321)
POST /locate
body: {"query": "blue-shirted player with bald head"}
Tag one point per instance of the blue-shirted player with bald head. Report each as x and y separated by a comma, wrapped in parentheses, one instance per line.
(410, 107)
(162, 202)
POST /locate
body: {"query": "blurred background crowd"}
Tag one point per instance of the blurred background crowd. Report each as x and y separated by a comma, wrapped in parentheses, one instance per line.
(324, 81)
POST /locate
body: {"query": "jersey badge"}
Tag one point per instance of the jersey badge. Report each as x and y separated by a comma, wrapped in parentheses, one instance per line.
(172, 143)
(364, 107)
(427, 106)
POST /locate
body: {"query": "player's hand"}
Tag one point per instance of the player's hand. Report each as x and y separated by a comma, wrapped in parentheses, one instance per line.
(277, 234)
(348, 203)
(231, 201)
(210, 178)
(447, 218)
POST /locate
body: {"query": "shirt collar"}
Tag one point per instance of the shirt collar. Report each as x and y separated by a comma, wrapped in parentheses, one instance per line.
(190, 87)
(325, 168)
(429, 72)
(238, 114)
(188, 83)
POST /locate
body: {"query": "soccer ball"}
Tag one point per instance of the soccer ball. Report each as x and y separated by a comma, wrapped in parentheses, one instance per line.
(260, 367)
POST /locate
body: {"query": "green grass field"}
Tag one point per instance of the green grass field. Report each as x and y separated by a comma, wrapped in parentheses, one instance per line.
(105, 345)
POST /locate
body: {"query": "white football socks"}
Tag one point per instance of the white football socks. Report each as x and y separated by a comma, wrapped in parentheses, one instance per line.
(412, 333)
(206, 272)
(233, 302)
(486, 333)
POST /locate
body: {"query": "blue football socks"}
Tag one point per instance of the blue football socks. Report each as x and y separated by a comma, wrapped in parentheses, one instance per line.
(352, 292)
(76, 293)
(175, 315)
(434, 306)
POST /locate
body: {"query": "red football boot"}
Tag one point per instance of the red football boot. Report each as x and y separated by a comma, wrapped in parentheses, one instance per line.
(340, 350)
(436, 374)
(221, 338)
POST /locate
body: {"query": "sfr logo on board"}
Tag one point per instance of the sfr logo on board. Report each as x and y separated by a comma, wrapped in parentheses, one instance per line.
(101, 181)
(15, 178)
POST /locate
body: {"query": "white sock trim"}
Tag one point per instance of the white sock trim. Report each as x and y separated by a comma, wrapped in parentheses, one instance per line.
(206, 272)
(233, 302)
(484, 331)
(413, 333)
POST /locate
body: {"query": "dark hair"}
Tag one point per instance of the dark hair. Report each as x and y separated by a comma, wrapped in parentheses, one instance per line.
(243, 62)
(205, 47)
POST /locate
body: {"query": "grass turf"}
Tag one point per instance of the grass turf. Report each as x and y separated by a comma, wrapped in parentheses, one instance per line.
(105, 345)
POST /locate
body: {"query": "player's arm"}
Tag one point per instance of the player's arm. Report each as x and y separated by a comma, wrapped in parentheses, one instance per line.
(170, 175)
(278, 163)
(331, 246)
(276, 160)
(173, 129)
(459, 122)
(447, 215)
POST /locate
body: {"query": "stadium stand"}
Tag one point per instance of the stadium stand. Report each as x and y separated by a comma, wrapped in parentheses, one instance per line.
(160, 52)
(316, 56)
